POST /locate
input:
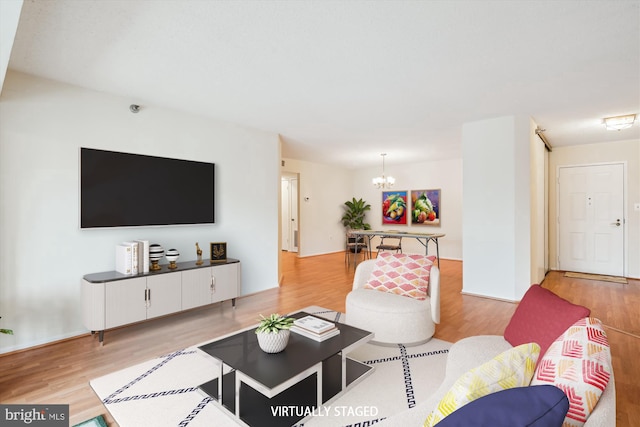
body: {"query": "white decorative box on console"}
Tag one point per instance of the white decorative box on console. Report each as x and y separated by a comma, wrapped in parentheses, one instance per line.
(112, 299)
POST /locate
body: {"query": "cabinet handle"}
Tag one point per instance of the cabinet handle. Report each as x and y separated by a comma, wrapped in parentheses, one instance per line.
(213, 284)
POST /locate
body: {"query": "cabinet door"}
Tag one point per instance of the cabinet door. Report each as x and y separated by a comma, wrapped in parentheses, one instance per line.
(225, 281)
(196, 288)
(125, 301)
(93, 304)
(165, 294)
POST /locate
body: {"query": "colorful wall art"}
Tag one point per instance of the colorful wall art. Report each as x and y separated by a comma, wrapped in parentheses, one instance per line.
(394, 207)
(425, 207)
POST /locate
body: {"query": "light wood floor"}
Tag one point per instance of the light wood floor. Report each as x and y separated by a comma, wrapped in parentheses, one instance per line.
(60, 372)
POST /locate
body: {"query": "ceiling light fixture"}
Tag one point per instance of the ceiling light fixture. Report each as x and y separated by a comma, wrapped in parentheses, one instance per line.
(383, 181)
(619, 122)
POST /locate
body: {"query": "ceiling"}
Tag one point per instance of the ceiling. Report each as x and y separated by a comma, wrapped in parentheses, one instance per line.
(344, 81)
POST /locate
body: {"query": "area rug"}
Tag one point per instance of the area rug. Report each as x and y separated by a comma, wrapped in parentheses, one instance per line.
(614, 279)
(164, 391)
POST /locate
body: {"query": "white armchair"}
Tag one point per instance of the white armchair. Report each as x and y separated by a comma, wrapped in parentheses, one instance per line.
(393, 318)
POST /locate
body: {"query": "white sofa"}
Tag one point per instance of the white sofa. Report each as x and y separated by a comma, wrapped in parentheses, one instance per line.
(472, 352)
(382, 312)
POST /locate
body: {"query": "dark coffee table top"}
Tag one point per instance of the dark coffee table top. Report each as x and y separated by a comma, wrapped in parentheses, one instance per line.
(242, 352)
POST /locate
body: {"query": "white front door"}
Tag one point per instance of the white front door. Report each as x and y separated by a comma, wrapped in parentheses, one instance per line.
(590, 219)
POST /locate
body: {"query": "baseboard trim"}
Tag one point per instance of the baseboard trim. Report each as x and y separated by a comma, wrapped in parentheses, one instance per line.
(471, 294)
(621, 331)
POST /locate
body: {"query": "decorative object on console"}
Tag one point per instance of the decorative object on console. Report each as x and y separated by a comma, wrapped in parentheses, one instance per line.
(172, 256)
(425, 207)
(394, 207)
(134, 253)
(218, 252)
(273, 332)
(198, 254)
(124, 259)
(156, 252)
(143, 256)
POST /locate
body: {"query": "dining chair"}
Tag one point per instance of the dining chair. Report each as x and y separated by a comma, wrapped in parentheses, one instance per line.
(354, 246)
(390, 243)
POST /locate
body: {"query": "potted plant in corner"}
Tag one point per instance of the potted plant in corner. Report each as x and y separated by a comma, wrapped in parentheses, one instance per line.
(6, 331)
(353, 218)
(273, 333)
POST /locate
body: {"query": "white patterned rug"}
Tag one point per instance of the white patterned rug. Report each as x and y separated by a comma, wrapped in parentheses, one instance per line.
(164, 391)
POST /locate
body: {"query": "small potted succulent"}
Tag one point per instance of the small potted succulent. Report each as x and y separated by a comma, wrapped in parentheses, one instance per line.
(273, 332)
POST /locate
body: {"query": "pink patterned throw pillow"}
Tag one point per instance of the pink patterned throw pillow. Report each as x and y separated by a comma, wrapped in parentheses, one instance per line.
(401, 274)
(579, 364)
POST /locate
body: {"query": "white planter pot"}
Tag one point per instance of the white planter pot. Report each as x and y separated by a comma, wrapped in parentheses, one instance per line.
(273, 343)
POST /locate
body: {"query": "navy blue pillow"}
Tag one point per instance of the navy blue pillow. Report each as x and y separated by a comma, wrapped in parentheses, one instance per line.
(533, 406)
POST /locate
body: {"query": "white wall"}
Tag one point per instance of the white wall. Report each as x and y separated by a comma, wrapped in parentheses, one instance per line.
(9, 18)
(497, 207)
(43, 253)
(443, 174)
(606, 152)
(323, 190)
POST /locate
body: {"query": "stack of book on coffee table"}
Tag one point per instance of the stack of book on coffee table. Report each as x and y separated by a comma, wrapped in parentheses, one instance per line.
(315, 328)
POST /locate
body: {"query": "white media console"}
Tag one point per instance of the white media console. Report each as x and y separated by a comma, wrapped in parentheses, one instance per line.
(112, 299)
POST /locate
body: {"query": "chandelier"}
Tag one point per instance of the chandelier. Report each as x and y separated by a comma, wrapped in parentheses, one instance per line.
(383, 181)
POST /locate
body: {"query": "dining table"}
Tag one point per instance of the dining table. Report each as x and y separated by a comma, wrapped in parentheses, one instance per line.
(423, 238)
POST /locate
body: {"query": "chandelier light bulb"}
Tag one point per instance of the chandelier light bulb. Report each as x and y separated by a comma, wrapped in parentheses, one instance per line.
(383, 181)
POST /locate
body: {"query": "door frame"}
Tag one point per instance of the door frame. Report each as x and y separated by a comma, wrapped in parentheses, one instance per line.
(625, 201)
(293, 199)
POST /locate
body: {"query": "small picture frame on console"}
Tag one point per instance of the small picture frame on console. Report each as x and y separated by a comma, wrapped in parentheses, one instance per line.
(218, 252)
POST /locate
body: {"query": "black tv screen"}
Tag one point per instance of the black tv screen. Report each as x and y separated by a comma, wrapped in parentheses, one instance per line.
(128, 190)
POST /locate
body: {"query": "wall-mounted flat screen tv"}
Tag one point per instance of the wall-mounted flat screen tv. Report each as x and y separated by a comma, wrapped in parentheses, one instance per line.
(129, 190)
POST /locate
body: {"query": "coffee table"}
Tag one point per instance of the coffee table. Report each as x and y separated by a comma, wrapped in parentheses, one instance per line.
(263, 389)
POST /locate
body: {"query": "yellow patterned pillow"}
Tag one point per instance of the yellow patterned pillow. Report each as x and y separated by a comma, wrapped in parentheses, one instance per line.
(513, 368)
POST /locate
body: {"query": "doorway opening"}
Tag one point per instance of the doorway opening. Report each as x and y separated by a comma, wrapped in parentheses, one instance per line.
(290, 210)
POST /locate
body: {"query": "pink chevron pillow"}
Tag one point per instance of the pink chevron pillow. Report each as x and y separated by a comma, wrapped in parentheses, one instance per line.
(579, 364)
(401, 274)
